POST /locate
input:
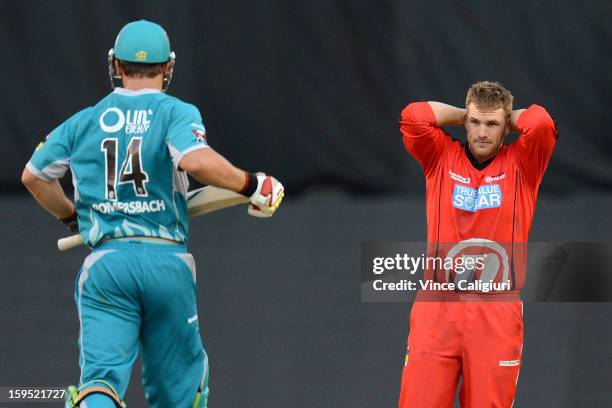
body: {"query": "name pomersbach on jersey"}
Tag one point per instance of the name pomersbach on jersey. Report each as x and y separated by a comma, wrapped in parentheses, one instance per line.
(130, 207)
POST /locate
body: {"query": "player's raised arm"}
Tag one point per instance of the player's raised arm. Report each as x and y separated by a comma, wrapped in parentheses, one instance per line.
(209, 167)
(447, 115)
(535, 145)
(514, 116)
(421, 126)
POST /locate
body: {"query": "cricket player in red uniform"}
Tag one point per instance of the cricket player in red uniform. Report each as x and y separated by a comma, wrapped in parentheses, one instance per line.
(482, 193)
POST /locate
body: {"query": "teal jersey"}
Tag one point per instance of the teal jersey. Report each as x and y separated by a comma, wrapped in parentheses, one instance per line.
(124, 154)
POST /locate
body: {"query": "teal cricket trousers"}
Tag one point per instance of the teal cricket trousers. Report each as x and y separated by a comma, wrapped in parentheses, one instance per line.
(140, 296)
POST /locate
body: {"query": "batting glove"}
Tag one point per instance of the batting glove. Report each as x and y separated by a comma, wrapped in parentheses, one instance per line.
(71, 223)
(267, 197)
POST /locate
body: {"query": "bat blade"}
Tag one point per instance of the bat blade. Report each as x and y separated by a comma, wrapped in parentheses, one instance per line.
(199, 202)
(209, 199)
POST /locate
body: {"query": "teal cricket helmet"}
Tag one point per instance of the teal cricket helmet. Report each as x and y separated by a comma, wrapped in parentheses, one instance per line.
(141, 42)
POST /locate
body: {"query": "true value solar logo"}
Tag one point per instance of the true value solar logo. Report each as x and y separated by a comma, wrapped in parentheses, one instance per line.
(472, 199)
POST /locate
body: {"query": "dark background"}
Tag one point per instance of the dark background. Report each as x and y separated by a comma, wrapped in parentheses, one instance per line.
(311, 92)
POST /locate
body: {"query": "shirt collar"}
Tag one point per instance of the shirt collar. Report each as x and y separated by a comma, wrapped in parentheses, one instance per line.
(129, 92)
(474, 162)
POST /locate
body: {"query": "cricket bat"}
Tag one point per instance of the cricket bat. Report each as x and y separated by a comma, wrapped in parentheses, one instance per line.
(199, 202)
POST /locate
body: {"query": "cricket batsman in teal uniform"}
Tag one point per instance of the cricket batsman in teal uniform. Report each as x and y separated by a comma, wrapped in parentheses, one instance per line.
(129, 156)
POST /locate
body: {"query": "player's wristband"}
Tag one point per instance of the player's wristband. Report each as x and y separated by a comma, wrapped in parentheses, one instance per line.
(250, 184)
(71, 222)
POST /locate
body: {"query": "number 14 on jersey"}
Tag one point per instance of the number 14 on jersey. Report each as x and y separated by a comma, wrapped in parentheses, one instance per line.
(131, 169)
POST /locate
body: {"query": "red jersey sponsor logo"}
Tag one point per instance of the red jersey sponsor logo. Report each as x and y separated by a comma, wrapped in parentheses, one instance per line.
(495, 178)
(459, 178)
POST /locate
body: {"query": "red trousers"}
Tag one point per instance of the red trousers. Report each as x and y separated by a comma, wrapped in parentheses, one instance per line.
(481, 342)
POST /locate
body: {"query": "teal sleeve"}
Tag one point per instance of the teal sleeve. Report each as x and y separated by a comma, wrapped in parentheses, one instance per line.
(186, 132)
(51, 158)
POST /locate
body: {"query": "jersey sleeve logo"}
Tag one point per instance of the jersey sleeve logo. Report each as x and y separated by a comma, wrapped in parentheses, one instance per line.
(472, 199)
(42, 142)
(199, 134)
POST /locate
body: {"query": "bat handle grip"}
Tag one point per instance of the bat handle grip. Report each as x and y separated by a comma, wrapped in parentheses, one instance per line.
(64, 244)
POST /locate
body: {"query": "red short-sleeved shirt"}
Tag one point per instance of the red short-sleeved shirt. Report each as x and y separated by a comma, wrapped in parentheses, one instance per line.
(495, 203)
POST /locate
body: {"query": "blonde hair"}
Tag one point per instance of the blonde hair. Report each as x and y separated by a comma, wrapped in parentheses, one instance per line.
(489, 96)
